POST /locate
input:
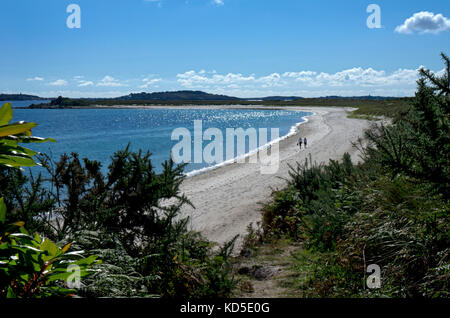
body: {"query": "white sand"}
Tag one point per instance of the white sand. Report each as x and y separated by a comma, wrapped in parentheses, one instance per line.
(229, 198)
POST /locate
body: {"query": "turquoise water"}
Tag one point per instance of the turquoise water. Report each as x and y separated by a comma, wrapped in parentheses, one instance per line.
(97, 133)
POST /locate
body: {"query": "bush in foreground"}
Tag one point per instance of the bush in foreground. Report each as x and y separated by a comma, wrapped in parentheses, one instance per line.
(130, 218)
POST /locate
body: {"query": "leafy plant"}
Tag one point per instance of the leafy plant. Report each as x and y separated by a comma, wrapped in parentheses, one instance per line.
(11, 134)
(32, 266)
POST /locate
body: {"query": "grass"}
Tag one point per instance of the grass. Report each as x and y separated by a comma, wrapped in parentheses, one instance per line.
(297, 272)
(386, 108)
(364, 117)
(265, 272)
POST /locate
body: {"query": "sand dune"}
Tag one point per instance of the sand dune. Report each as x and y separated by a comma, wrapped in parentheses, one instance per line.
(229, 198)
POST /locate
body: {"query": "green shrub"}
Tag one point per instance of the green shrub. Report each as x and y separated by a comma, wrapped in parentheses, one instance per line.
(31, 266)
(391, 210)
(130, 218)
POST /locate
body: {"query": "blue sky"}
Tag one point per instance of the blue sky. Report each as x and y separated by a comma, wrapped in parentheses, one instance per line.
(246, 48)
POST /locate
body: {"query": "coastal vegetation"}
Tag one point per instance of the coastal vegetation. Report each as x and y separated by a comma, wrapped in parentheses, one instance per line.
(120, 233)
(30, 264)
(134, 245)
(391, 210)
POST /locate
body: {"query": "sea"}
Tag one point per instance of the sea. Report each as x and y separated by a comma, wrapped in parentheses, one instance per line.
(97, 134)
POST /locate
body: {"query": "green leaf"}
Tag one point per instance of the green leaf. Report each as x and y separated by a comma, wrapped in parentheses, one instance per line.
(26, 151)
(37, 238)
(16, 161)
(8, 142)
(51, 248)
(6, 114)
(58, 275)
(14, 129)
(10, 293)
(87, 261)
(30, 139)
(16, 150)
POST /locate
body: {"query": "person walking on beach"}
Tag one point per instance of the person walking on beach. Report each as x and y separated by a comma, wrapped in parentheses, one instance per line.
(300, 142)
(305, 142)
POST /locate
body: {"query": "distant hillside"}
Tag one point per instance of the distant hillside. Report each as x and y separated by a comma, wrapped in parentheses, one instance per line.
(20, 97)
(369, 97)
(176, 96)
(293, 98)
(277, 98)
(377, 105)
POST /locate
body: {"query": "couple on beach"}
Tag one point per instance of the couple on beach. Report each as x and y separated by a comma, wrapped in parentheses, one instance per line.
(304, 141)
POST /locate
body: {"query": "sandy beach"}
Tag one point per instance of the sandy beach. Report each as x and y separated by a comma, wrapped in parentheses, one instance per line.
(229, 198)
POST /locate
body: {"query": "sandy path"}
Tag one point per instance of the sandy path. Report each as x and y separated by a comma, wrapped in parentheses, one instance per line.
(229, 198)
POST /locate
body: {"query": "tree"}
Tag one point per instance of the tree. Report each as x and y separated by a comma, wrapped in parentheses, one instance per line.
(419, 144)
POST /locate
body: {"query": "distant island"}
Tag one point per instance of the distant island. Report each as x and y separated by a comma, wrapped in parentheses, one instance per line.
(175, 96)
(12, 97)
(187, 97)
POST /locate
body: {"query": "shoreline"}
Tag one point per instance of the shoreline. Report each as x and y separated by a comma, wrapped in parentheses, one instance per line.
(230, 197)
(293, 130)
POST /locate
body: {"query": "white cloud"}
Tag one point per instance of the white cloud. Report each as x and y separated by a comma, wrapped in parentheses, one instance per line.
(36, 78)
(149, 82)
(81, 93)
(59, 82)
(349, 82)
(307, 83)
(272, 80)
(85, 83)
(193, 79)
(109, 81)
(218, 2)
(424, 22)
(82, 82)
(299, 74)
